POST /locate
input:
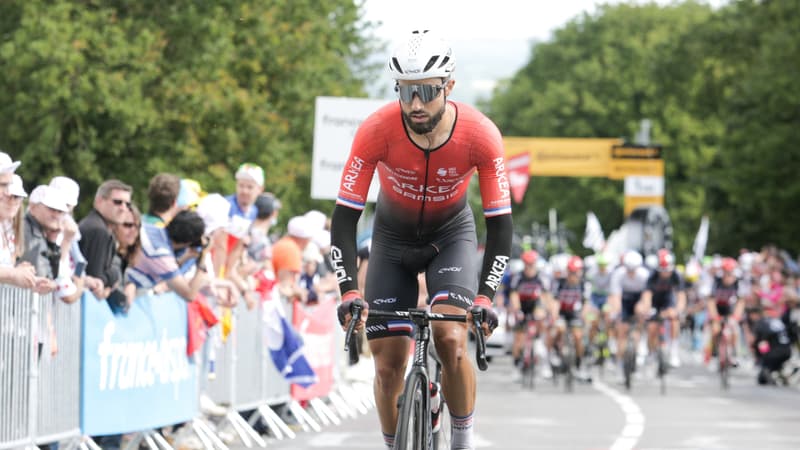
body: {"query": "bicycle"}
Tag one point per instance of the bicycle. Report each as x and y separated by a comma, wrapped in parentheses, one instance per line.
(629, 356)
(414, 420)
(724, 352)
(566, 354)
(529, 353)
(661, 353)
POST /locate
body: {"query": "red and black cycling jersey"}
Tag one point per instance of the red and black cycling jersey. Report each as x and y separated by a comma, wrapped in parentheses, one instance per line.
(421, 189)
(663, 288)
(569, 296)
(529, 288)
(725, 294)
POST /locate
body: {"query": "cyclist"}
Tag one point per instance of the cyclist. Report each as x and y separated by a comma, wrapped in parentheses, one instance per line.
(425, 148)
(568, 295)
(662, 286)
(724, 304)
(527, 292)
(627, 284)
(599, 281)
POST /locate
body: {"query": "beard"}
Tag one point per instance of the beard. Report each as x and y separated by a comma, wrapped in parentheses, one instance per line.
(424, 127)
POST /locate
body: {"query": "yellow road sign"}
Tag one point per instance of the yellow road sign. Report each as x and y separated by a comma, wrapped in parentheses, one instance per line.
(564, 157)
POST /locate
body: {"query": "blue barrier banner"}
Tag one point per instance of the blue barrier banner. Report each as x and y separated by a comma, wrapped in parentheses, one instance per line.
(135, 374)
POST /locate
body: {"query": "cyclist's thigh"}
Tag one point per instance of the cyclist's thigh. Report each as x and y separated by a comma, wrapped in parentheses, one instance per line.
(452, 275)
(389, 287)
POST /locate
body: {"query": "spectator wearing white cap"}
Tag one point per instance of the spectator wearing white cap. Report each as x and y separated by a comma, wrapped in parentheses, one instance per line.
(7, 168)
(249, 185)
(75, 262)
(43, 225)
(98, 244)
(12, 237)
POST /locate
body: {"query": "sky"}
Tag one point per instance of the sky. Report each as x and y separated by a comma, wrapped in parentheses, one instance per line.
(491, 39)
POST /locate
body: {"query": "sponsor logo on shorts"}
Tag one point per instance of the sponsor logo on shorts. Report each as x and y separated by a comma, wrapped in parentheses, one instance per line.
(376, 328)
(450, 269)
(385, 301)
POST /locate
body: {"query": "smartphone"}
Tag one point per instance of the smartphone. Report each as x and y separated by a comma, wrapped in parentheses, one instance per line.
(80, 268)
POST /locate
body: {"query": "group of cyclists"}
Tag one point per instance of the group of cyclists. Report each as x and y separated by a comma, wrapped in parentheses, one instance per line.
(609, 302)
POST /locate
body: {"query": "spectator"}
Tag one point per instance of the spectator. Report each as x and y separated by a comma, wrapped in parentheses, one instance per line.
(190, 194)
(162, 193)
(287, 257)
(97, 244)
(12, 242)
(213, 209)
(249, 185)
(43, 225)
(156, 261)
(127, 236)
(74, 261)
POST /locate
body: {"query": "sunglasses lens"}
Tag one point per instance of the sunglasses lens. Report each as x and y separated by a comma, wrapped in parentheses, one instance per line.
(425, 92)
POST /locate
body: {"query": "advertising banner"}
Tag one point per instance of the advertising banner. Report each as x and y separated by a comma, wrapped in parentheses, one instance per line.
(135, 372)
(563, 157)
(316, 326)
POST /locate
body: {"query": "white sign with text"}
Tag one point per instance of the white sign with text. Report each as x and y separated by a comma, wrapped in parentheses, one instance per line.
(644, 186)
(336, 120)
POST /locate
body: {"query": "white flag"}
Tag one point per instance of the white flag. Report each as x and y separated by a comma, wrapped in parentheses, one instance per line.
(700, 241)
(593, 237)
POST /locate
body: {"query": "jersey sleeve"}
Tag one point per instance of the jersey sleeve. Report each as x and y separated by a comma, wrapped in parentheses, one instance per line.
(366, 151)
(488, 156)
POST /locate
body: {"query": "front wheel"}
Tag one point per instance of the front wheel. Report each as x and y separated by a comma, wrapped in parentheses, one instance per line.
(414, 419)
(724, 361)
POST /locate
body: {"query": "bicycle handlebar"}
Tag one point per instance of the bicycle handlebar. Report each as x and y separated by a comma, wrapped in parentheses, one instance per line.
(420, 317)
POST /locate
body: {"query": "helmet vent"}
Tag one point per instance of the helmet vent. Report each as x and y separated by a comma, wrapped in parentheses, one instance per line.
(431, 62)
(444, 61)
(396, 65)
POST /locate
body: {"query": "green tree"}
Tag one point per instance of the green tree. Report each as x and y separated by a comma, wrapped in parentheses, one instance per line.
(594, 79)
(100, 89)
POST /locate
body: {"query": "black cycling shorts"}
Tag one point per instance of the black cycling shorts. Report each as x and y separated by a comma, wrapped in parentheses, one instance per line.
(449, 259)
(629, 301)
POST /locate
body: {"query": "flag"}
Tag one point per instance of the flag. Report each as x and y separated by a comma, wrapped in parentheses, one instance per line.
(700, 241)
(593, 237)
(286, 347)
(518, 175)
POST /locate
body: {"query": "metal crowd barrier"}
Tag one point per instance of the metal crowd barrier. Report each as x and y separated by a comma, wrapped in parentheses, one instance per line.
(39, 368)
(246, 379)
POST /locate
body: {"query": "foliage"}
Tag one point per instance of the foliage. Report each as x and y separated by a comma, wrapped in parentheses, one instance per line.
(119, 89)
(719, 87)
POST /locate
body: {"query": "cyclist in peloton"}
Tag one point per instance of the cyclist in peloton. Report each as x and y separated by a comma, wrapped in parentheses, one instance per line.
(568, 295)
(599, 280)
(527, 292)
(425, 149)
(724, 305)
(627, 284)
(662, 286)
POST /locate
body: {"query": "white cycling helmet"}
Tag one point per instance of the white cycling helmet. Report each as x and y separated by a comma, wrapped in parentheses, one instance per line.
(632, 259)
(423, 55)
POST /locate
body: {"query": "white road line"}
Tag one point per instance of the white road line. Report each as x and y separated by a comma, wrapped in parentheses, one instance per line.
(634, 419)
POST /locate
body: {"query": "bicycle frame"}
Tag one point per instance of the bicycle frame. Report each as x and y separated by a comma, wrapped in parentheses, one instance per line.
(414, 418)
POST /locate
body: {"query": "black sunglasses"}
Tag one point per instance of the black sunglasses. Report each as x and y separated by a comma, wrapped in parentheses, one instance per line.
(425, 92)
(119, 202)
(129, 225)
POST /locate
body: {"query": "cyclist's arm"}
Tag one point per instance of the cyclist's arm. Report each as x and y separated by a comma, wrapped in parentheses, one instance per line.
(514, 301)
(343, 247)
(495, 259)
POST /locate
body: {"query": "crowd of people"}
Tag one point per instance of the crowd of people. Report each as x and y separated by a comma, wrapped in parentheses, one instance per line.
(210, 249)
(757, 293)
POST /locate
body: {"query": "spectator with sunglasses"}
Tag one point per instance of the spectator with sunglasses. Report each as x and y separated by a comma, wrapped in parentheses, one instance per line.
(98, 244)
(423, 223)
